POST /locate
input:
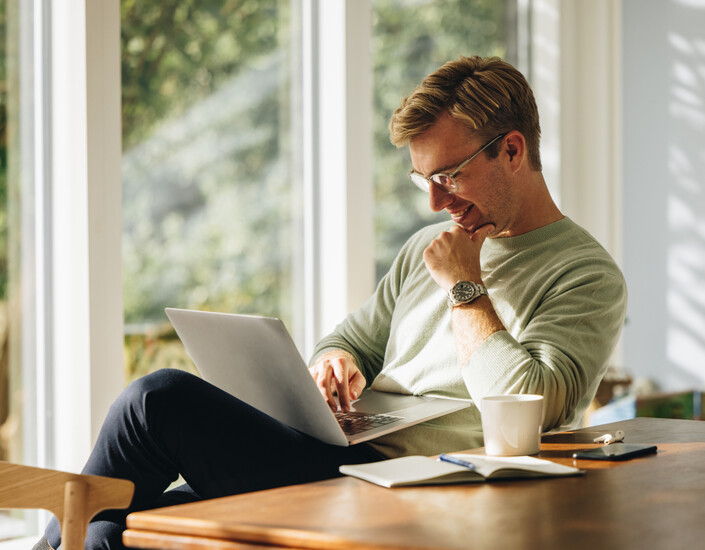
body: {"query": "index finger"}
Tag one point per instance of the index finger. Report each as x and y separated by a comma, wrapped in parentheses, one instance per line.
(342, 384)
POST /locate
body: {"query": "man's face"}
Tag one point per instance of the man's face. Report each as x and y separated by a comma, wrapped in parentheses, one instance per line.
(485, 194)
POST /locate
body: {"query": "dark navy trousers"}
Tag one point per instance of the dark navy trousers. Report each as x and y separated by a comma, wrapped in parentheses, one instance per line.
(170, 423)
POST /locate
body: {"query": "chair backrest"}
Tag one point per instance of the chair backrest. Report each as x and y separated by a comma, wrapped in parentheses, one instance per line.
(73, 498)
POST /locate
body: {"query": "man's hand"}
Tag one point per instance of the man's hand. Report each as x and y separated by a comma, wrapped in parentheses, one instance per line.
(455, 256)
(336, 373)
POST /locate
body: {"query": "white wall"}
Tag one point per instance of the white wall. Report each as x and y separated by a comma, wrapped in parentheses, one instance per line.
(664, 190)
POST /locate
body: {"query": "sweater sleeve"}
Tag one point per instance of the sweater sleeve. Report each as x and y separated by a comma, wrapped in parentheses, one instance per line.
(563, 350)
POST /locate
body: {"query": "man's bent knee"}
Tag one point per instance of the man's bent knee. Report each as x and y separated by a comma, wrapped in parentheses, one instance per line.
(164, 387)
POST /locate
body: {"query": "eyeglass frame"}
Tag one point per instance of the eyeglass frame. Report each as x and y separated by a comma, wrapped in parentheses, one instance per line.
(424, 183)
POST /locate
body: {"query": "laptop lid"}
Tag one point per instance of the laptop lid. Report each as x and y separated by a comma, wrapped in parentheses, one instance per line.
(255, 359)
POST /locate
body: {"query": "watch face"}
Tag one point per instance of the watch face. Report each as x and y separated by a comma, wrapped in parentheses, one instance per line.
(464, 292)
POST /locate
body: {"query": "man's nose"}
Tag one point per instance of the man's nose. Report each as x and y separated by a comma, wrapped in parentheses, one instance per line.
(437, 198)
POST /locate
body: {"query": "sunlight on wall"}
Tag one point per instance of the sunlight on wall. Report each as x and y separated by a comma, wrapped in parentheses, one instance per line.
(664, 191)
(686, 197)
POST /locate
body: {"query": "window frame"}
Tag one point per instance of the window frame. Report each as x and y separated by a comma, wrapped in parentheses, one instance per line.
(84, 312)
(339, 209)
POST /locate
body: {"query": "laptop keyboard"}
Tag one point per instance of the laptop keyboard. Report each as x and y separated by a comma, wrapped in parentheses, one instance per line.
(355, 422)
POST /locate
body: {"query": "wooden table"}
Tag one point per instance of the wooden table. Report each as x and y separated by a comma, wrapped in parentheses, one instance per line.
(656, 501)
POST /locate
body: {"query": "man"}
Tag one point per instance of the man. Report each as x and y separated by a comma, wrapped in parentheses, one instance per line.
(507, 297)
(554, 301)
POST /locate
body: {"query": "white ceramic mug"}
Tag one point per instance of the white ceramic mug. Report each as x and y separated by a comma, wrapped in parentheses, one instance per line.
(511, 424)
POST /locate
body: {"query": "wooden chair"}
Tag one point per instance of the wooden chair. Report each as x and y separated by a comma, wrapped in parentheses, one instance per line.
(73, 498)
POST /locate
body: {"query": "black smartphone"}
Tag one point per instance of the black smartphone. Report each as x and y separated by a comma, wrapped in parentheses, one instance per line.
(616, 451)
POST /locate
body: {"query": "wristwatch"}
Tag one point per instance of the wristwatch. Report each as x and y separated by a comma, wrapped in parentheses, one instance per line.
(464, 292)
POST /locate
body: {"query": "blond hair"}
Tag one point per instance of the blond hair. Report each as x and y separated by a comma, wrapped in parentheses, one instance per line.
(488, 95)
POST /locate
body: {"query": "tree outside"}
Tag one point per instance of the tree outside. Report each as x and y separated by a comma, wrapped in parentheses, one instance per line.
(208, 195)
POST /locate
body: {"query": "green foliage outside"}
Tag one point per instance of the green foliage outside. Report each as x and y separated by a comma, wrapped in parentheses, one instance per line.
(208, 198)
(210, 203)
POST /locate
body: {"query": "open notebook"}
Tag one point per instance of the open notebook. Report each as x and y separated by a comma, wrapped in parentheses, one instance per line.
(424, 470)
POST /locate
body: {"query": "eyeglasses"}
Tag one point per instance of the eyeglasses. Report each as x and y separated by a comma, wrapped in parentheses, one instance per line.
(446, 182)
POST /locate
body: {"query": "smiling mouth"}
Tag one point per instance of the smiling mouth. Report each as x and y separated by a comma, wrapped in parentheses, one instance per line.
(459, 215)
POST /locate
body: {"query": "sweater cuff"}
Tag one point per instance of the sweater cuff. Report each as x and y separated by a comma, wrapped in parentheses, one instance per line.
(490, 367)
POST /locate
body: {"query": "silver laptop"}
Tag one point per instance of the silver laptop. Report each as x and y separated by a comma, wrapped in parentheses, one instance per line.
(255, 359)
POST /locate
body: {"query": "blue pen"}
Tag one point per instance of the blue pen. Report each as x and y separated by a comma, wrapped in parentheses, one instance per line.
(457, 461)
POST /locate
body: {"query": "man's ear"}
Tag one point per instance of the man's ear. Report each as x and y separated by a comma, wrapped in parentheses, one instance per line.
(515, 147)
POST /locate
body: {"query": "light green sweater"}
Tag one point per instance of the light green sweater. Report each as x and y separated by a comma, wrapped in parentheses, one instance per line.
(561, 298)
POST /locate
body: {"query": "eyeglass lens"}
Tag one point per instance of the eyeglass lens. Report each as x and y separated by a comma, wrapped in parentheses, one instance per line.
(441, 180)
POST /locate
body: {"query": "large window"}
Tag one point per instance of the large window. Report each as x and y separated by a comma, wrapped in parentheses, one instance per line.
(211, 190)
(410, 40)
